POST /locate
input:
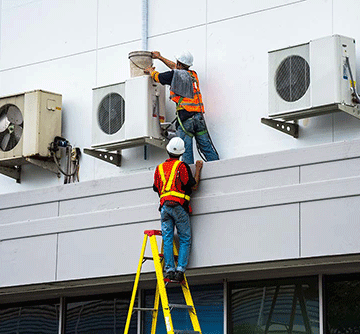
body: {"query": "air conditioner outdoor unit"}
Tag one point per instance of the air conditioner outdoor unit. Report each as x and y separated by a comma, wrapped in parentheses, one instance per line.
(128, 114)
(29, 122)
(312, 78)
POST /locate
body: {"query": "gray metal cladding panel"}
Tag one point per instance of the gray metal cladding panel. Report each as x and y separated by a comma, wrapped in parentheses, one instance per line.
(108, 201)
(28, 260)
(330, 170)
(330, 227)
(250, 181)
(103, 251)
(29, 212)
(243, 236)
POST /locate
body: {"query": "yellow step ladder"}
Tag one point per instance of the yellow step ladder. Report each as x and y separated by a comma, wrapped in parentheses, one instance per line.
(161, 291)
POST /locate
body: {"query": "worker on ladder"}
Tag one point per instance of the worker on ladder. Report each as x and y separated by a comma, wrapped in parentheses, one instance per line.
(185, 92)
(174, 183)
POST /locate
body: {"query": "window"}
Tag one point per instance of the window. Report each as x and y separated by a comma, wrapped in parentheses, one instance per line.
(103, 315)
(42, 318)
(276, 306)
(209, 305)
(342, 304)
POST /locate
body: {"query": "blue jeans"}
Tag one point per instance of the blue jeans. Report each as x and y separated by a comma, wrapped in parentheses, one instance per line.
(172, 216)
(194, 125)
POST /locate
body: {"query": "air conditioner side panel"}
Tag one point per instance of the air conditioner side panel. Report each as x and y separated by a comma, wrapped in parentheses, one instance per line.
(49, 121)
(16, 152)
(145, 103)
(137, 107)
(277, 105)
(330, 84)
(42, 122)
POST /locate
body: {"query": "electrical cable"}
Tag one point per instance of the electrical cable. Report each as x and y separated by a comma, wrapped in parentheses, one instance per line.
(72, 156)
(355, 94)
(59, 168)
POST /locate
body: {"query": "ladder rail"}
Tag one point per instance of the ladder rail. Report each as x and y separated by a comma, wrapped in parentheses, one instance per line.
(161, 284)
(157, 296)
(188, 299)
(136, 283)
(161, 293)
(156, 310)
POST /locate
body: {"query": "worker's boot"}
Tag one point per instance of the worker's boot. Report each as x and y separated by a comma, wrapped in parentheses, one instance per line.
(179, 276)
(170, 275)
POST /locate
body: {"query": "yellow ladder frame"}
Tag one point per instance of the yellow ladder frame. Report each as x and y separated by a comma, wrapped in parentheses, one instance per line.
(161, 289)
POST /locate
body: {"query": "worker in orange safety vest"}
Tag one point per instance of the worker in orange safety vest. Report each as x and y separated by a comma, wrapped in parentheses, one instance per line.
(174, 183)
(185, 92)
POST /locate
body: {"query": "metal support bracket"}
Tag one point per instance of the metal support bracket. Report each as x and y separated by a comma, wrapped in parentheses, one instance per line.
(13, 172)
(291, 129)
(353, 111)
(48, 165)
(113, 158)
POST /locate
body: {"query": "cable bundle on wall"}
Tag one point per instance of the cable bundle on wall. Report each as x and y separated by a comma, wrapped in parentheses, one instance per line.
(72, 156)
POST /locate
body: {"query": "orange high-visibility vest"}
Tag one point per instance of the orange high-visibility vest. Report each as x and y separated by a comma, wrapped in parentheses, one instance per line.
(168, 187)
(191, 105)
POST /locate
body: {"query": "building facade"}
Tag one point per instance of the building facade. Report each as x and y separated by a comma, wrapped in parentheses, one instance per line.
(275, 222)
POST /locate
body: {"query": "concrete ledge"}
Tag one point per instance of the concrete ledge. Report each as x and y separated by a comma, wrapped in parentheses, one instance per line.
(216, 169)
(203, 205)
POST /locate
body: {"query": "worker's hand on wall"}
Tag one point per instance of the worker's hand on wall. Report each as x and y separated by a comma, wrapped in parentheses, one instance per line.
(155, 54)
(199, 165)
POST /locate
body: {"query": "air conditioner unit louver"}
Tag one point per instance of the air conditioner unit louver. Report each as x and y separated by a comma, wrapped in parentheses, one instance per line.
(127, 114)
(29, 122)
(311, 77)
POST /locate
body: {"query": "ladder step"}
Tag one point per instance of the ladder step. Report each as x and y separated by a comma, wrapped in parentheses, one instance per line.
(178, 331)
(143, 309)
(183, 306)
(151, 258)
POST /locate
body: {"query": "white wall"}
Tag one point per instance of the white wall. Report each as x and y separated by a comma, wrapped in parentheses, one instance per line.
(70, 47)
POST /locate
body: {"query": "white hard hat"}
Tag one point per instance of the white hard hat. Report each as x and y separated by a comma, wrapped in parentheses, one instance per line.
(176, 146)
(185, 58)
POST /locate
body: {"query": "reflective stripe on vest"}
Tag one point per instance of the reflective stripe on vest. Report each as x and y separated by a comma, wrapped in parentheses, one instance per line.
(165, 191)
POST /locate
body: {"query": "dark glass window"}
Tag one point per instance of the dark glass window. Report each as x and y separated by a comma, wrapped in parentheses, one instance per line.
(209, 305)
(342, 304)
(30, 319)
(99, 315)
(275, 306)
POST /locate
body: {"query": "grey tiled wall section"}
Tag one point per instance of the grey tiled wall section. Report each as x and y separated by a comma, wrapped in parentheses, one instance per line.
(276, 206)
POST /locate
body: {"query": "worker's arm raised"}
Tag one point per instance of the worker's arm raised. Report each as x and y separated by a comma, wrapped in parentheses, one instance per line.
(198, 167)
(167, 62)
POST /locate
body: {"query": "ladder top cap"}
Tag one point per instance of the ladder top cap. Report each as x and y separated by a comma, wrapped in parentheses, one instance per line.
(152, 232)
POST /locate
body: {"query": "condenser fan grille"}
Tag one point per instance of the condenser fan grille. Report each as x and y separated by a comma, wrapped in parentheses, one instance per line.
(11, 127)
(111, 113)
(292, 78)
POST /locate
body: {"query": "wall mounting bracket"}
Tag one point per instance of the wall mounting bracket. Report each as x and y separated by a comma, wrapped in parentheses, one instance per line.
(111, 157)
(12, 167)
(13, 172)
(106, 152)
(291, 129)
(45, 164)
